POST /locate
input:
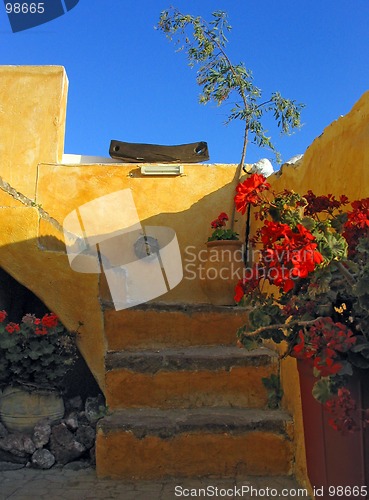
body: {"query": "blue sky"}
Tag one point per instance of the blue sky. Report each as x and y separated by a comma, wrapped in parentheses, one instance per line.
(127, 83)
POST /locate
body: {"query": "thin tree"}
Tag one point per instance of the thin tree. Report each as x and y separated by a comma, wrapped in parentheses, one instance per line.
(205, 43)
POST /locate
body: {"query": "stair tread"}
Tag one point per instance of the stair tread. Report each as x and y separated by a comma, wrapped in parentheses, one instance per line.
(186, 307)
(166, 423)
(188, 358)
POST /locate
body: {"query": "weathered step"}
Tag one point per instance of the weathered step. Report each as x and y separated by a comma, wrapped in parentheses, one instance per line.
(223, 442)
(188, 377)
(151, 326)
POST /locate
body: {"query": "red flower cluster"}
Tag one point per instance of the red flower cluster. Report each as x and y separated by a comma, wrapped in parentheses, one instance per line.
(342, 408)
(316, 204)
(357, 224)
(248, 191)
(288, 254)
(220, 221)
(41, 331)
(322, 342)
(12, 327)
(42, 325)
(248, 284)
(50, 320)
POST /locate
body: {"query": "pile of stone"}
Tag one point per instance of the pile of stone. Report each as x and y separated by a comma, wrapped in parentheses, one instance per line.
(69, 443)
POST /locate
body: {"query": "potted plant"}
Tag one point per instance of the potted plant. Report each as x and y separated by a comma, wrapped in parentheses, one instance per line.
(35, 356)
(224, 265)
(308, 284)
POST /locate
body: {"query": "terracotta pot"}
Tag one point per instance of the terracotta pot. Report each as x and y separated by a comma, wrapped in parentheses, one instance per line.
(334, 459)
(21, 409)
(222, 271)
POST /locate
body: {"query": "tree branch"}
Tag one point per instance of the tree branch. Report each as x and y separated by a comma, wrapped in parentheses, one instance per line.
(280, 326)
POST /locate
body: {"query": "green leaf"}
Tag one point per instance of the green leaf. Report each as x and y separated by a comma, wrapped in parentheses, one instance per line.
(361, 345)
(346, 369)
(275, 392)
(358, 360)
(258, 318)
(362, 286)
(321, 390)
(249, 343)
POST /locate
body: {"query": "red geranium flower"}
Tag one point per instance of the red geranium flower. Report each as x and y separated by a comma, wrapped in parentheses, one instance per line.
(12, 327)
(238, 292)
(343, 410)
(357, 224)
(248, 191)
(220, 221)
(41, 331)
(3, 315)
(50, 320)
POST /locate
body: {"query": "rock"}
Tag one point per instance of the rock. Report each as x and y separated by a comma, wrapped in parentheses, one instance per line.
(95, 408)
(263, 167)
(5, 444)
(294, 159)
(64, 446)
(10, 466)
(93, 455)
(6, 456)
(77, 465)
(3, 430)
(82, 419)
(16, 444)
(71, 421)
(86, 435)
(41, 434)
(42, 459)
(74, 404)
(29, 445)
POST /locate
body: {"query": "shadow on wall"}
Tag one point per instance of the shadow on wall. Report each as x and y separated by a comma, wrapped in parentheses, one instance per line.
(192, 227)
(41, 264)
(17, 301)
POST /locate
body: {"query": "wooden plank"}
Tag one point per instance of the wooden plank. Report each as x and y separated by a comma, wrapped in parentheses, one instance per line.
(154, 153)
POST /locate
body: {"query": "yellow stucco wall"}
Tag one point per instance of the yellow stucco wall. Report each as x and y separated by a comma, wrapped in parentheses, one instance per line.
(186, 203)
(32, 121)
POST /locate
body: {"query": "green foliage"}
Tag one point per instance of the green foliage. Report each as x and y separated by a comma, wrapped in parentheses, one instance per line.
(275, 391)
(223, 234)
(37, 352)
(204, 43)
(322, 390)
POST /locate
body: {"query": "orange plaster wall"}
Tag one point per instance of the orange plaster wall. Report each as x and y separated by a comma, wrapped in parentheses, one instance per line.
(260, 453)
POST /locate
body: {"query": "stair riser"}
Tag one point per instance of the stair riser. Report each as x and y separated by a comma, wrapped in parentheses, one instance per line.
(122, 455)
(241, 386)
(137, 329)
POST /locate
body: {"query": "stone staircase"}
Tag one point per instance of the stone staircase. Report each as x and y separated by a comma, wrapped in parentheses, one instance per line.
(184, 401)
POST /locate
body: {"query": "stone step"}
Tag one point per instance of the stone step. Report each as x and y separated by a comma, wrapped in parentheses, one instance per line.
(188, 377)
(221, 442)
(156, 325)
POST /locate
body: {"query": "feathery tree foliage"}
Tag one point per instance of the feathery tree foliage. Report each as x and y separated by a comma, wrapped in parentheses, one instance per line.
(205, 43)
